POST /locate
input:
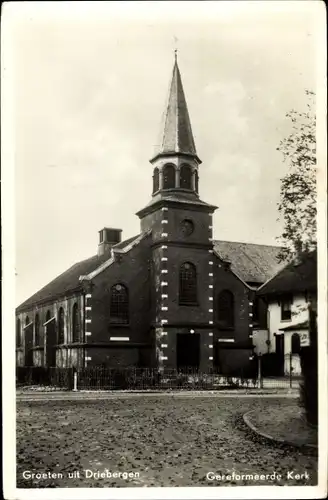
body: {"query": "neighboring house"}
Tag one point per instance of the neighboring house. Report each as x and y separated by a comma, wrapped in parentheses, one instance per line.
(287, 296)
(169, 296)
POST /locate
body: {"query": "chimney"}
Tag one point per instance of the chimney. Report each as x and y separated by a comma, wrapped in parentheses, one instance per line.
(108, 237)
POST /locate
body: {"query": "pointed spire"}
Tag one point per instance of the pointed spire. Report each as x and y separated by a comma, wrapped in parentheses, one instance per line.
(176, 135)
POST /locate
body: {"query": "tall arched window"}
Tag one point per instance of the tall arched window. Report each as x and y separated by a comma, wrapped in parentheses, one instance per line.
(185, 177)
(168, 177)
(119, 304)
(196, 181)
(61, 326)
(75, 323)
(37, 329)
(156, 180)
(188, 284)
(225, 308)
(18, 333)
(296, 343)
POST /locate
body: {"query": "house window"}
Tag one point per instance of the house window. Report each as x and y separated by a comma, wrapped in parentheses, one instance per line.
(225, 309)
(185, 177)
(168, 177)
(119, 304)
(286, 308)
(296, 343)
(75, 323)
(61, 325)
(18, 333)
(188, 284)
(156, 180)
(37, 329)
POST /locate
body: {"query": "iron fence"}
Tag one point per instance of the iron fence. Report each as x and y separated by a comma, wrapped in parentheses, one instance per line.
(143, 379)
(44, 376)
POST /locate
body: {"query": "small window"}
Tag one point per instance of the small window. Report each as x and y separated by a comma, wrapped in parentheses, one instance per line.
(101, 236)
(76, 323)
(296, 343)
(188, 284)
(18, 333)
(168, 177)
(119, 304)
(61, 326)
(37, 329)
(225, 309)
(286, 308)
(156, 180)
(185, 177)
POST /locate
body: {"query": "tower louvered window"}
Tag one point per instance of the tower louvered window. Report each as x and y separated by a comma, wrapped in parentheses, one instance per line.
(156, 180)
(119, 304)
(75, 323)
(196, 181)
(226, 308)
(185, 177)
(168, 177)
(61, 325)
(37, 329)
(188, 284)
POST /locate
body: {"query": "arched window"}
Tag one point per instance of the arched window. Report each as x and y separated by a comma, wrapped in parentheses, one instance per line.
(119, 304)
(168, 177)
(27, 321)
(196, 181)
(75, 323)
(18, 333)
(225, 308)
(188, 284)
(37, 329)
(296, 343)
(61, 326)
(156, 180)
(185, 177)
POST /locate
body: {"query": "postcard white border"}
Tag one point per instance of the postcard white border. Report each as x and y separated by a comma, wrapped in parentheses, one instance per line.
(13, 12)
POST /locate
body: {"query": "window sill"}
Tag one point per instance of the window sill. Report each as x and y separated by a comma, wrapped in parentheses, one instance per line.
(189, 304)
(285, 320)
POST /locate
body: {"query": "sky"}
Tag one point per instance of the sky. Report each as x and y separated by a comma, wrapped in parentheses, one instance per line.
(89, 88)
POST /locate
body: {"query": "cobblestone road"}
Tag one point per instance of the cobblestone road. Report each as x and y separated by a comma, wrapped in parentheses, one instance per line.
(167, 441)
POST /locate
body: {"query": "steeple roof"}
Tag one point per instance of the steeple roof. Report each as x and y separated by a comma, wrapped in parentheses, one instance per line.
(176, 134)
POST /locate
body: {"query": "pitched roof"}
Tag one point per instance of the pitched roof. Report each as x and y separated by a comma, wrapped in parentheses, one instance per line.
(176, 133)
(297, 276)
(251, 262)
(69, 280)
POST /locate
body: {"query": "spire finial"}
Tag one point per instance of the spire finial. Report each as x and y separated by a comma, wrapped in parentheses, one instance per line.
(176, 49)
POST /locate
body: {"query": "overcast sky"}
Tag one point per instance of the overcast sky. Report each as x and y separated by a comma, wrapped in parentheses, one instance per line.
(89, 90)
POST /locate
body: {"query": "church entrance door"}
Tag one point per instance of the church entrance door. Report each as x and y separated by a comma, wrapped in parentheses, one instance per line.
(188, 351)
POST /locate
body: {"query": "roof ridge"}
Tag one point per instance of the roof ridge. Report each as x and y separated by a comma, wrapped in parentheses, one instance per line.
(247, 243)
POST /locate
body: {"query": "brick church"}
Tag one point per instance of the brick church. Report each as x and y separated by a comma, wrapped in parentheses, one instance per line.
(170, 296)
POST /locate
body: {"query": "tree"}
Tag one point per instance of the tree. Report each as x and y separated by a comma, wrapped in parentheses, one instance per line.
(297, 206)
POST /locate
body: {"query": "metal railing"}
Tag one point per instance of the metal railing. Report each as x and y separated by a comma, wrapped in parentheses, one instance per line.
(143, 379)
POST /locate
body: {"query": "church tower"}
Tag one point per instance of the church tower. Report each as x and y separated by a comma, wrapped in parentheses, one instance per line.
(182, 243)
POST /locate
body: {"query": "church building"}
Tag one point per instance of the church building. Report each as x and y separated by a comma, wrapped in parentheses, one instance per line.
(170, 296)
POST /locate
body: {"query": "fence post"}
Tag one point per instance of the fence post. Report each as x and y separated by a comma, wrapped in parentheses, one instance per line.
(290, 370)
(75, 380)
(259, 370)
